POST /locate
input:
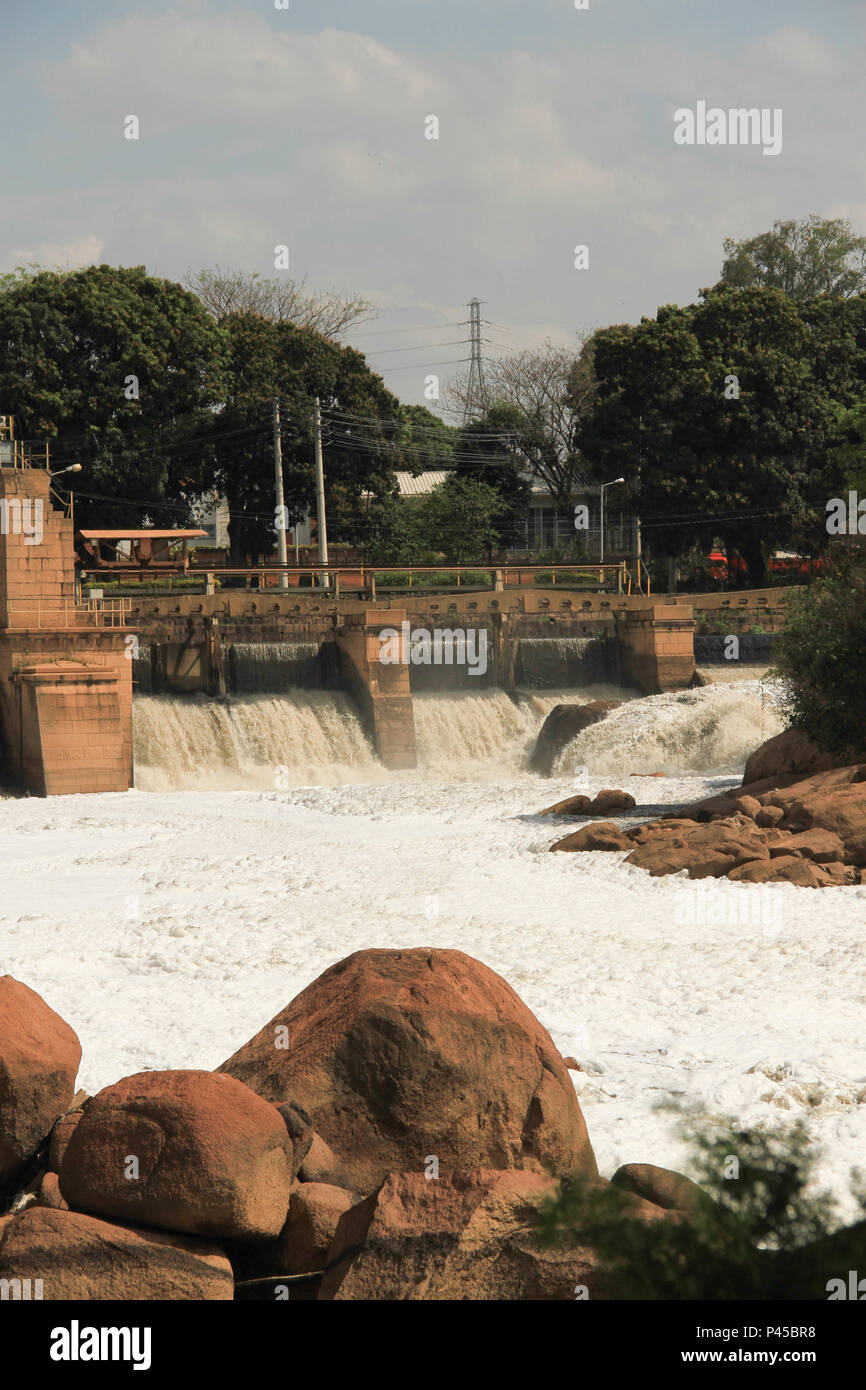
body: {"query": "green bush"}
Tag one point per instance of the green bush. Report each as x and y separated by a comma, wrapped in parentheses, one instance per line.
(822, 656)
(761, 1231)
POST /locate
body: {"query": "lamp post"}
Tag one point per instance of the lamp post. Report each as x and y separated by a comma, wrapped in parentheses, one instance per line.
(612, 483)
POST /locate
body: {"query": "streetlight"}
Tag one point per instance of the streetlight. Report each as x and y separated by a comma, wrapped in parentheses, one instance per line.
(72, 468)
(612, 483)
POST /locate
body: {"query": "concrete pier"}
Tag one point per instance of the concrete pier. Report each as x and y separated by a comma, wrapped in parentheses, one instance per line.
(65, 676)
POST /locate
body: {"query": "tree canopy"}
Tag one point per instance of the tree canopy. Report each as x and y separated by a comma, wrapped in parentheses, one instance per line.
(805, 259)
(121, 368)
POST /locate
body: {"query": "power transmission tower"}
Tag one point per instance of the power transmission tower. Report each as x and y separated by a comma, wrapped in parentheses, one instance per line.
(475, 391)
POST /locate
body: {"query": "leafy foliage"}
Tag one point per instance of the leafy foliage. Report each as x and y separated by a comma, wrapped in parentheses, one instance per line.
(68, 343)
(822, 655)
(761, 1231)
(805, 259)
(720, 415)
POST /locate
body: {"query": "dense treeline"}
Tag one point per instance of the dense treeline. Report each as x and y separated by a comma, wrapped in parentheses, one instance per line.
(733, 420)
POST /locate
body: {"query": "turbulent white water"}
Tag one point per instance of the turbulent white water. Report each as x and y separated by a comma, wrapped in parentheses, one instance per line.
(311, 737)
(316, 738)
(710, 730)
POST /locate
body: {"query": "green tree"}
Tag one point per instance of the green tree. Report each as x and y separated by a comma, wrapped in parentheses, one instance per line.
(805, 259)
(821, 654)
(122, 369)
(457, 520)
(754, 1230)
(543, 392)
(850, 454)
(492, 450)
(267, 360)
(716, 414)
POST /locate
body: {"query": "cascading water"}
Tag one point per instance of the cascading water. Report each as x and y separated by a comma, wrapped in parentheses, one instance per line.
(273, 667)
(310, 737)
(711, 730)
(544, 662)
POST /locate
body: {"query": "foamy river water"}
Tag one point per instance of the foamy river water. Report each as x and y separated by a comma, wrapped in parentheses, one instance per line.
(167, 925)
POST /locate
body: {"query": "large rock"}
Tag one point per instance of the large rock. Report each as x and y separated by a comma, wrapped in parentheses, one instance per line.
(213, 1158)
(706, 851)
(563, 724)
(402, 1055)
(662, 1186)
(789, 753)
(39, 1059)
(470, 1235)
(80, 1258)
(303, 1243)
(604, 836)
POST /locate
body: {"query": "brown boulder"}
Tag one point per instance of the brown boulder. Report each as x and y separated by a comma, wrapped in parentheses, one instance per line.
(769, 816)
(603, 836)
(78, 1257)
(60, 1137)
(563, 724)
(706, 851)
(39, 1059)
(662, 1186)
(402, 1055)
(469, 1235)
(608, 801)
(748, 806)
(822, 846)
(571, 806)
(785, 869)
(303, 1243)
(787, 754)
(49, 1194)
(213, 1159)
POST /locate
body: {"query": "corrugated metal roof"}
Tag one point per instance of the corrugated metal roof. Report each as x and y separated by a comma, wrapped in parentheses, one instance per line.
(420, 486)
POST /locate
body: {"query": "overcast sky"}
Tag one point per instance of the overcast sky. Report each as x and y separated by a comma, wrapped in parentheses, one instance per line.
(306, 126)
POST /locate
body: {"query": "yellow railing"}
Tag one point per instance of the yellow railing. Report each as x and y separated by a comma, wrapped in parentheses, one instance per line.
(63, 613)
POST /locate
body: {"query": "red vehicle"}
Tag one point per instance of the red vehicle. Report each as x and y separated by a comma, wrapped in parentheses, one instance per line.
(783, 562)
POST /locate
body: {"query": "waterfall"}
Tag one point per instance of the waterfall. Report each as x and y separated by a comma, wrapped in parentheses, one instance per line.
(273, 667)
(299, 738)
(710, 730)
(543, 662)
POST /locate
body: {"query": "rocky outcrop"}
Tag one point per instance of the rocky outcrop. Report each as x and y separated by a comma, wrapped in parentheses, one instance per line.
(808, 831)
(39, 1059)
(605, 803)
(399, 1055)
(468, 1235)
(791, 753)
(80, 1257)
(563, 724)
(661, 1186)
(189, 1151)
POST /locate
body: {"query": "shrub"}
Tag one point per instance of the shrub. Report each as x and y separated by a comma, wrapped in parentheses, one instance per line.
(762, 1232)
(822, 656)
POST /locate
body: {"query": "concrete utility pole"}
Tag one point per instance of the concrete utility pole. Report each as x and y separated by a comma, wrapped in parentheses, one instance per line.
(321, 524)
(601, 517)
(281, 506)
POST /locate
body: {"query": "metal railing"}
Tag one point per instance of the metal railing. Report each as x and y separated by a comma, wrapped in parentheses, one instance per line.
(65, 613)
(366, 576)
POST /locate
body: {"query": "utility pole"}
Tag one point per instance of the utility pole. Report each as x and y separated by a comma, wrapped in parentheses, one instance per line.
(281, 506)
(475, 390)
(321, 524)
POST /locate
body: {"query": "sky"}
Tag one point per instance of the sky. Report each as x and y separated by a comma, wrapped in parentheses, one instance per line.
(306, 127)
